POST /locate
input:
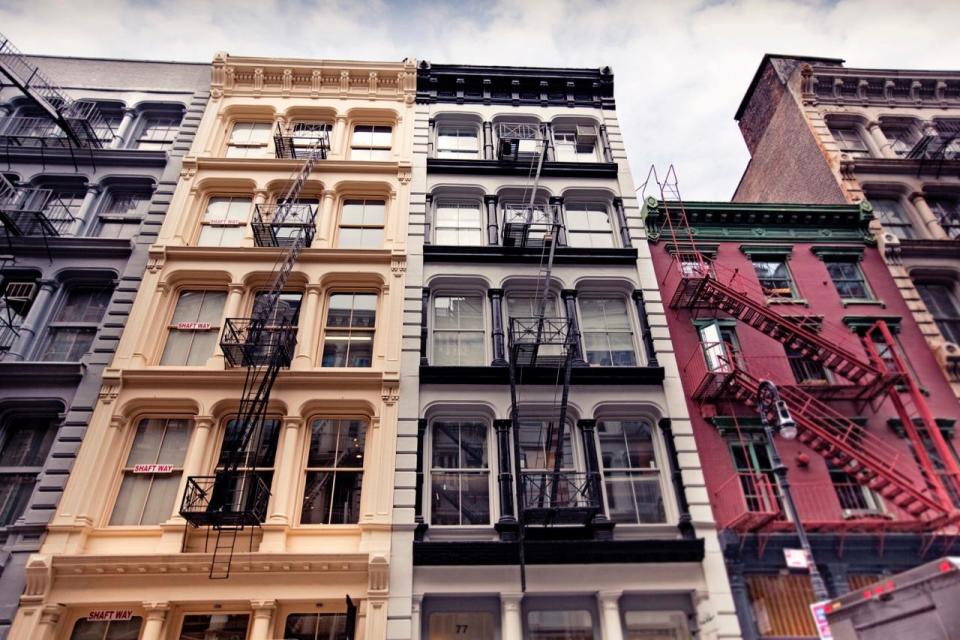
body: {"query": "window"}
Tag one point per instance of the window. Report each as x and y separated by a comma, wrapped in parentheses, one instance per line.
(350, 328)
(371, 142)
(288, 307)
(775, 278)
(850, 141)
(947, 210)
(538, 440)
(158, 131)
(631, 475)
(111, 630)
(16, 298)
(781, 605)
(721, 347)
(71, 332)
(806, 370)
(459, 474)
(751, 456)
(458, 330)
(220, 626)
(457, 141)
(939, 464)
(575, 144)
(893, 217)
(900, 137)
(331, 494)
(193, 329)
(458, 223)
(306, 134)
(607, 335)
(224, 221)
(151, 475)
(26, 443)
(259, 452)
(249, 140)
(315, 626)
(462, 625)
(561, 624)
(526, 305)
(655, 625)
(588, 226)
(848, 279)
(361, 224)
(122, 213)
(941, 301)
(853, 496)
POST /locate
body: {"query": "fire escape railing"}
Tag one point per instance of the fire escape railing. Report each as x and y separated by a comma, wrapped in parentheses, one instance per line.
(530, 226)
(279, 225)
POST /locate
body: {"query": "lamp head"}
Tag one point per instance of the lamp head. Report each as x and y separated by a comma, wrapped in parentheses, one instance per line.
(785, 422)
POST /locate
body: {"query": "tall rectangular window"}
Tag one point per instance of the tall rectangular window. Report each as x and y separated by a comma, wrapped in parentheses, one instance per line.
(458, 330)
(848, 279)
(151, 474)
(157, 132)
(217, 626)
(853, 496)
(559, 624)
(631, 474)
(588, 226)
(307, 134)
(16, 298)
(892, 216)
(194, 327)
(947, 211)
(258, 452)
(458, 223)
(775, 278)
(361, 224)
(942, 303)
(315, 626)
(459, 474)
(348, 338)
(26, 443)
(334, 474)
(71, 332)
(122, 212)
(850, 141)
(607, 333)
(371, 142)
(249, 140)
(570, 147)
(110, 630)
(900, 137)
(224, 221)
(457, 141)
(805, 369)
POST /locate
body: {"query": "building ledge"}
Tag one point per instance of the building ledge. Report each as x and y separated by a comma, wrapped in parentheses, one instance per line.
(34, 373)
(72, 246)
(497, 254)
(476, 166)
(894, 166)
(430, 374)
(94, 157)
(474, 553)
(914, 248)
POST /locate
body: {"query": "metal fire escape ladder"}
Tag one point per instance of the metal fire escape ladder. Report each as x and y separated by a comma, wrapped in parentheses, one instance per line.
(79, 120)
(236, 497)
(870, 461)
(936, 146)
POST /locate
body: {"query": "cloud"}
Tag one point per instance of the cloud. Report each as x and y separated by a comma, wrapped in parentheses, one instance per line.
(681, 67)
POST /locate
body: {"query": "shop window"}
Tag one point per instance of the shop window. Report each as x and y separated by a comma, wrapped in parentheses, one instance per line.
(560, 624)
(334, 473)
(461, 625)
(315, 626)
(655, 625)
(460, 474)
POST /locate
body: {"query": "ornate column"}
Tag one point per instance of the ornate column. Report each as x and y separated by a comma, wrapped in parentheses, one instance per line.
(605, 144)
(431, 138)
(684, 521)
(548, 140)
(325, 222)
(602, 526)
(493, 234)
(418, 487)
(32, 322)
(428, 219)
(569, 297)
(507, 524)
(308, 330)
(609, 604)
(496, 311)
(262, 616)
(338, 141)
(156, 615)
(930, 221)
(645, 334)
(286, 470)
(557, 201)
(424, 335)
(50, 616)
(487, 140)
(621, 216)
(83, 214)
(880, 140)
(511, 624)
(121, 137)
(197, 449)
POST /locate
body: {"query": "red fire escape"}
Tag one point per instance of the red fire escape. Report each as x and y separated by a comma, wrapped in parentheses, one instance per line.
(749, 501)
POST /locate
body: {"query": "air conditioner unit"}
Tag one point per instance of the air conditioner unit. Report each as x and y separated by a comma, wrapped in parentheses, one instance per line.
(20, 292)
(586, 134)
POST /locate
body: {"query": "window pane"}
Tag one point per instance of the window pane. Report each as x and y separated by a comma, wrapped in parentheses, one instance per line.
(67, 345)
(337, 443)
(262, 442)
(538, 445)
(114, 630)
(214, 627)
(26, 442)
(331, 498)
(134, 491)
(316, 626)
(560, 625)
(15, 490)
(462, 625)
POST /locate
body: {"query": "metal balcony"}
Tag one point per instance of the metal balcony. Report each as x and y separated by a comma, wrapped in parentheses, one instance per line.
(561, 498)
(228, 499)
(539, 341)
(302, 141)
(519, 140)
(282, 225)
(31, 211)
(526, 226)
(746, 502)
(252, 342)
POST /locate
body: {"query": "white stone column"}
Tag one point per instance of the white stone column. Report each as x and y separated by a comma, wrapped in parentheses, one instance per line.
(511, 623)
(609, 604)
(259, 199)
(156, 616)
(231, 309)
(931, 224)
(325, 221)
(286, 470)
(868, 140)
(338, 141)
(880, 140)
(121, 136)
(308, 329)
(197, 449)
(32, 322)
(262, 617)
(416, 603)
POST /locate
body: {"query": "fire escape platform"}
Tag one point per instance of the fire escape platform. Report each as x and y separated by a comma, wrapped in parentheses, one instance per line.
(557, 552)
(500, 375)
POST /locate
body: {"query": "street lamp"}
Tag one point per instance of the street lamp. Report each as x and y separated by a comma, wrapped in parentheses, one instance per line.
(771, 406)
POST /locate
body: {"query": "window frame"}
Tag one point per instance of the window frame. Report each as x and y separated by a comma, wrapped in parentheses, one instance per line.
(171, 328)
(586, 207)
(182, 618)
(773, 258)
(306, 469)
(458, 153)
(362, 227)
(376, 152)
(249, 148)
(488, 469)
(946, 209)
(631, 326)
(150, 142)
(570, 130)
(483, 330)
(8, 422)
(460, 204)
(131, 219)
(338, 616)
(223, 224)
(630, 472)
(858, 271)
(374, 331)
(107, 624)
(950, 288)
(78, 327)
(848, 144)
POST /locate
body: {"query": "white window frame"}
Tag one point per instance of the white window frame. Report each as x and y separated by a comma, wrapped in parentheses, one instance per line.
(363, 226)
(351, 329)
(372, 149)
(197, 326)
(491, 454)
(484, 329)
(565, 137)
(210, 226)
(455, 131)
(574, 208)
(459, 229)
(660, 471)
(242, 143)
(638, 355)
(165, 120)
(334, 470)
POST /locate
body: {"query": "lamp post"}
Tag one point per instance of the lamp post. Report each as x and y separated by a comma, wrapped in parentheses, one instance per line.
(769, 404)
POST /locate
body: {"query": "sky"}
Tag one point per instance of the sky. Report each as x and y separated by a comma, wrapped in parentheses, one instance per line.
(680, 66)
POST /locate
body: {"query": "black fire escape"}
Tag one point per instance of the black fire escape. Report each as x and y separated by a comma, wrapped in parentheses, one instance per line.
(236, 496)
(936, 146)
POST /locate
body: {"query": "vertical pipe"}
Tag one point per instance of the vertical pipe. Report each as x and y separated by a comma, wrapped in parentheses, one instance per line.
(424, 314)
(507, 523)
(645, 333)
(492, 231)
(621, 217)
(496, 311)
(569, 297)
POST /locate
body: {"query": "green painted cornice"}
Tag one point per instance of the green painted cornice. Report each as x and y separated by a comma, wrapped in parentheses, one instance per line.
(745, 222)
(946, 426)
(779, 250)
(853, 254)
(859, 324)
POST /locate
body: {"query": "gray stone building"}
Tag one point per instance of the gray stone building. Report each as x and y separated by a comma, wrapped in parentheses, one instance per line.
(77, 222)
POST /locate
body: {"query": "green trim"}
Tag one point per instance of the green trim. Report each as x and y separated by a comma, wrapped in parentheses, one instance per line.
(706, 249)
(859, 324)
(801, 301)
(723, 322)
(838, 254)
(947, 426)
(772, 250)
(852, 302)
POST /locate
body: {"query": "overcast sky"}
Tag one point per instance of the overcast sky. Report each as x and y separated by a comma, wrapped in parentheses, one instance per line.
(681, 66)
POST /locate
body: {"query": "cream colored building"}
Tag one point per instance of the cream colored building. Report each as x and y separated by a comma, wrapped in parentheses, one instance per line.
(119, 558)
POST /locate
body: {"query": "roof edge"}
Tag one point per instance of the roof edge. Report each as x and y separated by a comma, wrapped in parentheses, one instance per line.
(763, 61)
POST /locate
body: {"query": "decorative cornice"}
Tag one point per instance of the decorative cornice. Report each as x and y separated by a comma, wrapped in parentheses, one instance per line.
(507, 168)
(888, 87)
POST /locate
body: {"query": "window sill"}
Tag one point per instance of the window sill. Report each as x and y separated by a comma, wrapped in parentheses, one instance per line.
(800, 301)
(860, 302)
